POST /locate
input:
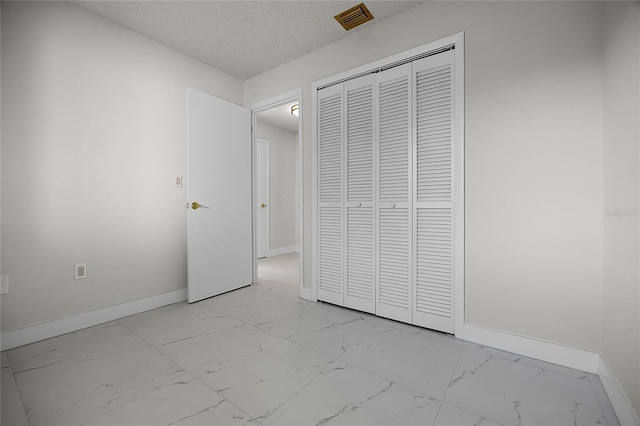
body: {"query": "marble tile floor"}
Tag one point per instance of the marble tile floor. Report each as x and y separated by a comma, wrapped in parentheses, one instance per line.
(262, 356)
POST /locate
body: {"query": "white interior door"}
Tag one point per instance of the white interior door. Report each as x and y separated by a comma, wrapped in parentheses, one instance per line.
(359, 288)
(219, 226)
(394, 227)
(262, 195)
(330, 191)
(435, 192)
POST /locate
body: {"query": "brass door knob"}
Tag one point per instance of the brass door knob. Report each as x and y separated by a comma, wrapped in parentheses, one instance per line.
(263, 205)
(196, 205)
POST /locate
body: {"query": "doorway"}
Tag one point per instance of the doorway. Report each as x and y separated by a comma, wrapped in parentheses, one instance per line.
(278, 194)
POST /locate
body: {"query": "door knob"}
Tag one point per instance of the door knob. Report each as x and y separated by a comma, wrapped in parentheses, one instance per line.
(263, 205)
(196, 205)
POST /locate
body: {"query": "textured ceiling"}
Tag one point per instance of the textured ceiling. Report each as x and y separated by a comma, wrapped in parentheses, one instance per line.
(241, 38)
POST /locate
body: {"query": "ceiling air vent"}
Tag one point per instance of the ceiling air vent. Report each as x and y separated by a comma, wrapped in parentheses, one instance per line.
(353, 17)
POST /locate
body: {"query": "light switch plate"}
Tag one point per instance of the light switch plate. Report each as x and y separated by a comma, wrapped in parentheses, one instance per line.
(4, 284)
(178, 181)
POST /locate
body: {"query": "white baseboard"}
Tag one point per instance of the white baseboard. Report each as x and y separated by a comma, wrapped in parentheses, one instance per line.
(33, 333)
(555, 353)
(282, 250)
(580, 359)
(619, 401)
(305, 293)
(567, 356)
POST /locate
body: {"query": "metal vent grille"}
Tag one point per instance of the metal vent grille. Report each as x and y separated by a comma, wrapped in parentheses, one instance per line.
(353, 17)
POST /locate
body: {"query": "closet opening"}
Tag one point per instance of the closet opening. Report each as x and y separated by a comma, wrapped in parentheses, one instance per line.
(388, 187)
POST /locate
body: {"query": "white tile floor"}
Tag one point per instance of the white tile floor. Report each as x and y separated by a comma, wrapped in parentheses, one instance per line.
(261, 355)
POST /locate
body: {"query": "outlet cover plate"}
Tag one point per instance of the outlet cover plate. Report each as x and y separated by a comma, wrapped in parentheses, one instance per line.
(80, 271)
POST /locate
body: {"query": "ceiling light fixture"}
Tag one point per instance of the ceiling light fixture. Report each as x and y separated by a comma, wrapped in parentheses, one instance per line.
(295, 110)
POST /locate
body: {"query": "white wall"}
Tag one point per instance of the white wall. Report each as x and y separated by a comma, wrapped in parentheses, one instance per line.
(621, 191)
(93, 134)
(282, 185)
(533, 154)
(0, 161)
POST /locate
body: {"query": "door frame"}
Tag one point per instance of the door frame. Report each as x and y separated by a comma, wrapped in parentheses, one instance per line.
(266, 196)
(257, 107)
(456, 40)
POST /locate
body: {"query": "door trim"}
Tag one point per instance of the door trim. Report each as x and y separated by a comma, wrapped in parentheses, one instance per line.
(267, 250)
(264, 105)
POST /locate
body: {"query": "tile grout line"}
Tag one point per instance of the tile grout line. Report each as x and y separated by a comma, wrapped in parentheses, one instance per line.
(13, 376)
(159, 352)
(595, 394)
(191, 371)
(478, 349)
(386, 378)
(268, 332)
(444, 396)
(598, 401)
(310, 380)
(452, 374)
(306, 384)
(390, 328)
(223, 397)
(150, 390)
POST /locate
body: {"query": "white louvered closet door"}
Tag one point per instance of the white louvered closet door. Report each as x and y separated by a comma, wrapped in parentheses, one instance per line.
(359, 289)
(434, 192)
(394, 242)
(330, 193)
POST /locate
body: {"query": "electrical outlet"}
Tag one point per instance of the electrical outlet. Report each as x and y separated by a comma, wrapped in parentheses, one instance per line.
(4, 284)
(80, 271)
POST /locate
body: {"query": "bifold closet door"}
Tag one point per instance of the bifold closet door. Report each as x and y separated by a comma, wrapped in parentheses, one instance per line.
(386, 193)
(393, 190)
(359, 289)
(330, 193)
(434, 192)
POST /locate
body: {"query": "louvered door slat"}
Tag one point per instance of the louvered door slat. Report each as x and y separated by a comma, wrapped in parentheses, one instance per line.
(359, 127)
(330, 148)
(359, 289)
(434, 261)
(394, 145)
(394, 259)
(330, 279)
(394, 281)
(433, 304)
(434, 115)
(359, 253)
(330, 194)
